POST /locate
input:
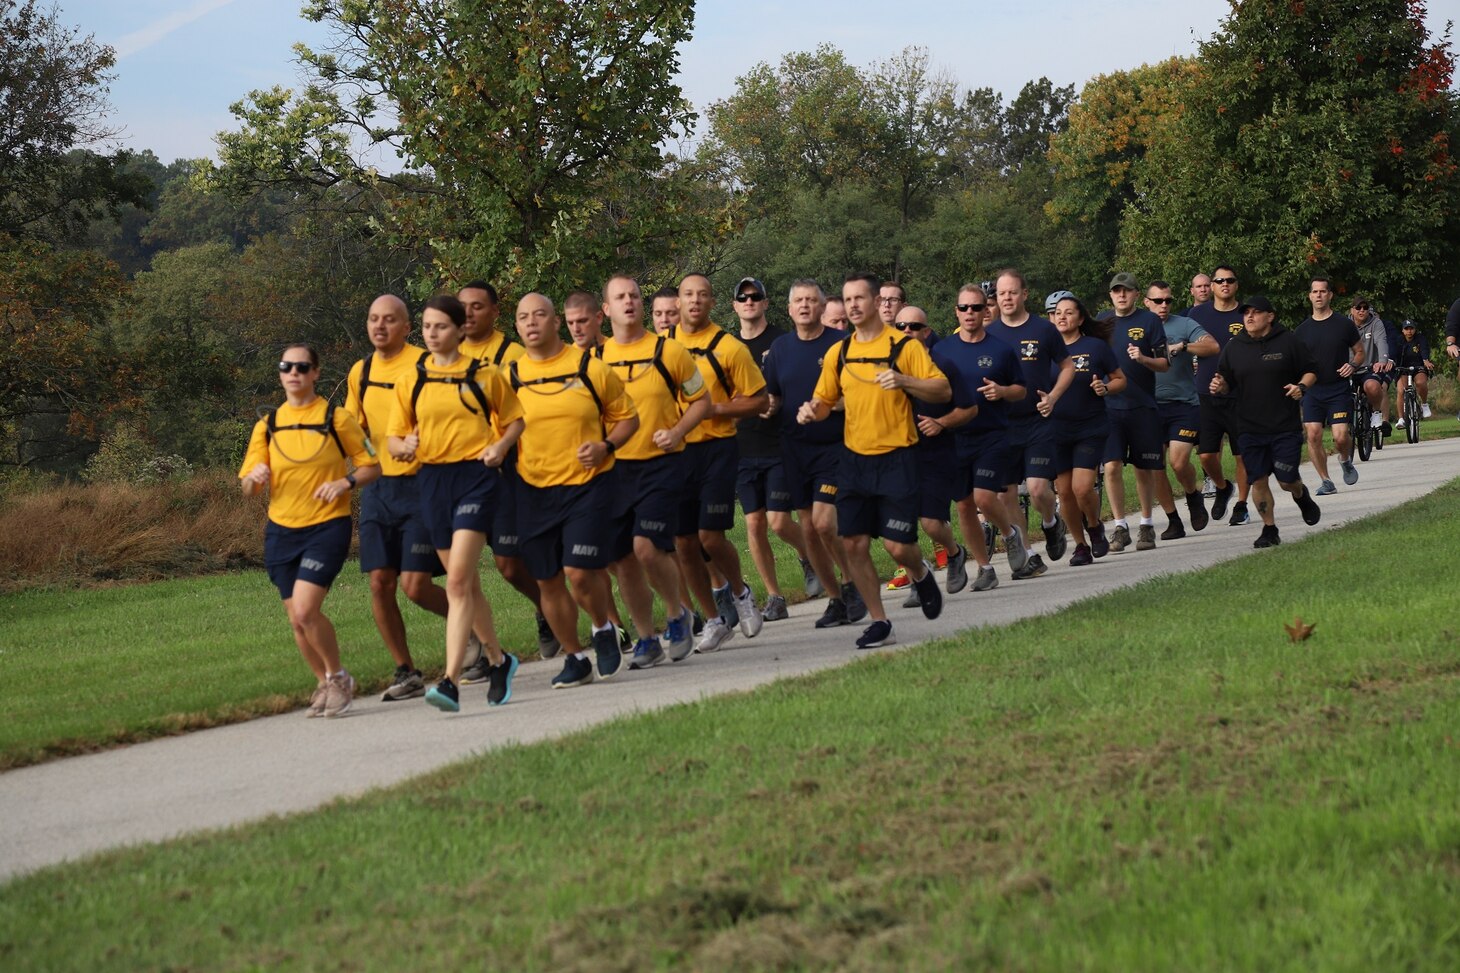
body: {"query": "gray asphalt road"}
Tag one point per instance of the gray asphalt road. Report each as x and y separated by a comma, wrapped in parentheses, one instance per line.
(285, 764)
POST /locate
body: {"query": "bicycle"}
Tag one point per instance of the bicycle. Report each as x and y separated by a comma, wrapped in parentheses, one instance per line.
(1366, 437)
(1409, 407)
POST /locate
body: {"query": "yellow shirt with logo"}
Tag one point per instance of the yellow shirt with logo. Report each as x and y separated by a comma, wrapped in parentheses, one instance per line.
(562, 416)
(488, 349)
(740, 370)
(878, 420)
(301, 461)
(659, 406)
(447, 414)
(372, 407)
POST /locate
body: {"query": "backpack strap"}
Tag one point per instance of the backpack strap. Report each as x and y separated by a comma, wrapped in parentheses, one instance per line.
(365, 385)
(518, 382)
(501, 351)
(708, 353)
(326, 428)
(467, 381)
(657, 361)
(890, 361)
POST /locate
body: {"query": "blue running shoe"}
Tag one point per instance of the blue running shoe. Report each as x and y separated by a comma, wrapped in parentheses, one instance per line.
(606, 649)
(681, 639)
(444, 697)
(725, 601)
(499, 680)
(647, 654)
(577, 671)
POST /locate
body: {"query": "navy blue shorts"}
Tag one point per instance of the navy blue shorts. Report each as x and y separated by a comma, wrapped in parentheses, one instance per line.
(707, 501)
(1331, 403)
(1135, 438)
(506, 535)
(1218, 419)
(811, 471)
(1278, 455)
(314, 553)
(1031, 448)
(983, 463)
(1383, 377)
(1080, 444)
(1181, 420)
(760, 483)
(647, 493)
(391, 535)
(938, 478)
(567, 526)
(878, 496)
(456, 496)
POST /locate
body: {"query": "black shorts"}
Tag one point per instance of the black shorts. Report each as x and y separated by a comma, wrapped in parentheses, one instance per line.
(1135, 438)
(1218, 419)
(811, 471)
(314, 553)
(984, 463)
(1331, 403)
(1181, 421)
(1031, 448)
(456, 496)
(708, 499)
(1278, 454)
(1080, 444)
(878, 496)
(391, 534)
(506, 535)
(760, 483)
(647, 493)
(566, 526)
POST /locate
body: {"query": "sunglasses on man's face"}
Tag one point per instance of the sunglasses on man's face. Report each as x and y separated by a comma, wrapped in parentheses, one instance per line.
(1224, 280)
(302, 367)
(965, 308)
(1361, 307)
(749, 297)
(909, 326)
(1160, 300)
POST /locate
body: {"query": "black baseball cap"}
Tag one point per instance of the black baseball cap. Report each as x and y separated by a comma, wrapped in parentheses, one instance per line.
(1258, 303)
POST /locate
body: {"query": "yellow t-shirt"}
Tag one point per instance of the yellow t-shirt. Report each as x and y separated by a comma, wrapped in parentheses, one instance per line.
(562, 416)
(878, 420)
(449, 417)
(301, 461)
(658, 405)
(738, 366)
(378, 400)
(497, 349)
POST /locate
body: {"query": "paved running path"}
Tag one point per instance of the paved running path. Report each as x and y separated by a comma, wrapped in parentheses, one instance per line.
(279, 765)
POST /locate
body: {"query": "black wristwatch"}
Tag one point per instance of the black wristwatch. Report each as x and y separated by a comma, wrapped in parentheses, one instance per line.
(610, 444)
(350, 479)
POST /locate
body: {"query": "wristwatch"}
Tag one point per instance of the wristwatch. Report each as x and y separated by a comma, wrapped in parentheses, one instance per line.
(350, 479)
(610, 444)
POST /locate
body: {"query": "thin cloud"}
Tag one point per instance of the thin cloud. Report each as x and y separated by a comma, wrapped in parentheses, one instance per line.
(140, 40)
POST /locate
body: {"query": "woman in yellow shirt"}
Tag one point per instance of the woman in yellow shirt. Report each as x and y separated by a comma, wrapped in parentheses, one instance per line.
(299, 452)
(445, 419)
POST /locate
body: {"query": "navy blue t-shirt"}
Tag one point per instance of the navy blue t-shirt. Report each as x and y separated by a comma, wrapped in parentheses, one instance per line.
(1221, 325)
(791, 369)
(1091, 357)
(1331, 343)
(1041, 351)
(1143, 329)
(968, 364)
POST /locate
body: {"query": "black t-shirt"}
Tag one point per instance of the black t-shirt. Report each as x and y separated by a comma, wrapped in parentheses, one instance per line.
(791, 372)
(1092, 357)
(755, 436)
(1256, 370)
(1221, 325)
(1143, 329)
(1331, 343)
(1041, 354)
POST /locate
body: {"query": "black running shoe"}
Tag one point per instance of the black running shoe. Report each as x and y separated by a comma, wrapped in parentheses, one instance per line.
(1099, 544)
(835, 615)
(1221, 498)
(876, 635)
(607, 651)
(930, 596)
(1309, 506)
(499, 680)
(1196, 509)
(1268, 538)
(1056, 540)
(856, 607)
(577, 671)
(1239, 515)
(547, 643)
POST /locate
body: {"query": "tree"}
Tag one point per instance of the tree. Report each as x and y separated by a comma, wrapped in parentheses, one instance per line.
(1317, 141)
(53, 88)
(514, 121)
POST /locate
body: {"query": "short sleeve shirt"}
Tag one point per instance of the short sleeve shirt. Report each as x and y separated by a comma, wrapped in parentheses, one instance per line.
(741, 375)
(562, 416)
(302, 460)
(660, 397)
(373, 405)
(447, 414)
(878, 420)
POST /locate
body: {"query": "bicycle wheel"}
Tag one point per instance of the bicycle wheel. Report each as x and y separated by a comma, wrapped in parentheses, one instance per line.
(1359, 427)
(1411, 410)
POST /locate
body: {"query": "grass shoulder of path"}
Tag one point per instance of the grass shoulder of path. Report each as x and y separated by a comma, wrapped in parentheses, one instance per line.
(1156, 779)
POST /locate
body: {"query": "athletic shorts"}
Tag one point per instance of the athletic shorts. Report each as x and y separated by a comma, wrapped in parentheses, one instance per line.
(391, 534)
(1031, 448)
(1181, 421)
(1135, 438)
(1218, 419)
(878, 496)
(506, 535)
(1384, 377)
(647, 493)
(760, 483)
(708, 499)
(1277, 455)
(567, 526)
(456, 496)
(983, 463)
(1331, 403)
(811, 471)
(1080, 444)
(315, 553)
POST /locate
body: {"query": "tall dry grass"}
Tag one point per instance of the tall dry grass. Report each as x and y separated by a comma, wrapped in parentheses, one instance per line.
(76, 534)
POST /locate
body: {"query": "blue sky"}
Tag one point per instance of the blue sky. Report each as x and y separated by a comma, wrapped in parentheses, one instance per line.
(181, 63)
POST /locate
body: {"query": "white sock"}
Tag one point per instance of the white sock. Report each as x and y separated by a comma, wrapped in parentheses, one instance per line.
(1048, 523)
(605, 627)
(1119, 523)
(1148, 522)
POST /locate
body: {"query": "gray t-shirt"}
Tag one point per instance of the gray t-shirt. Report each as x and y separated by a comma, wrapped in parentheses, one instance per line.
(1178, 383)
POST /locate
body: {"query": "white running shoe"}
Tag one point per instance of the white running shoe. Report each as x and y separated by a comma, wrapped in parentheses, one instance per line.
(1424, 410)
(1399, 424)
(751, 617)
(1376, 420)
(715, 634)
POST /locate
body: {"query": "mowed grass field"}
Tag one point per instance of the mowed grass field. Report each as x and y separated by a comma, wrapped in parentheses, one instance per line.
(1157, 780)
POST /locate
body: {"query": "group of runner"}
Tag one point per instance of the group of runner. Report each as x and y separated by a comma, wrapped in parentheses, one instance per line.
(616, 459)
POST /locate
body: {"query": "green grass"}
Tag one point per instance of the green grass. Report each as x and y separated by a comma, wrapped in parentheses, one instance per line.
(1154, 780)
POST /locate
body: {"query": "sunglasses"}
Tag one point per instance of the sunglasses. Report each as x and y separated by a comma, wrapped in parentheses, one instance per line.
(302, 367)
(965, 308)
(1361, 307)
(749, 298)
(909, 326)
(1224, 280)
(1160, 300)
